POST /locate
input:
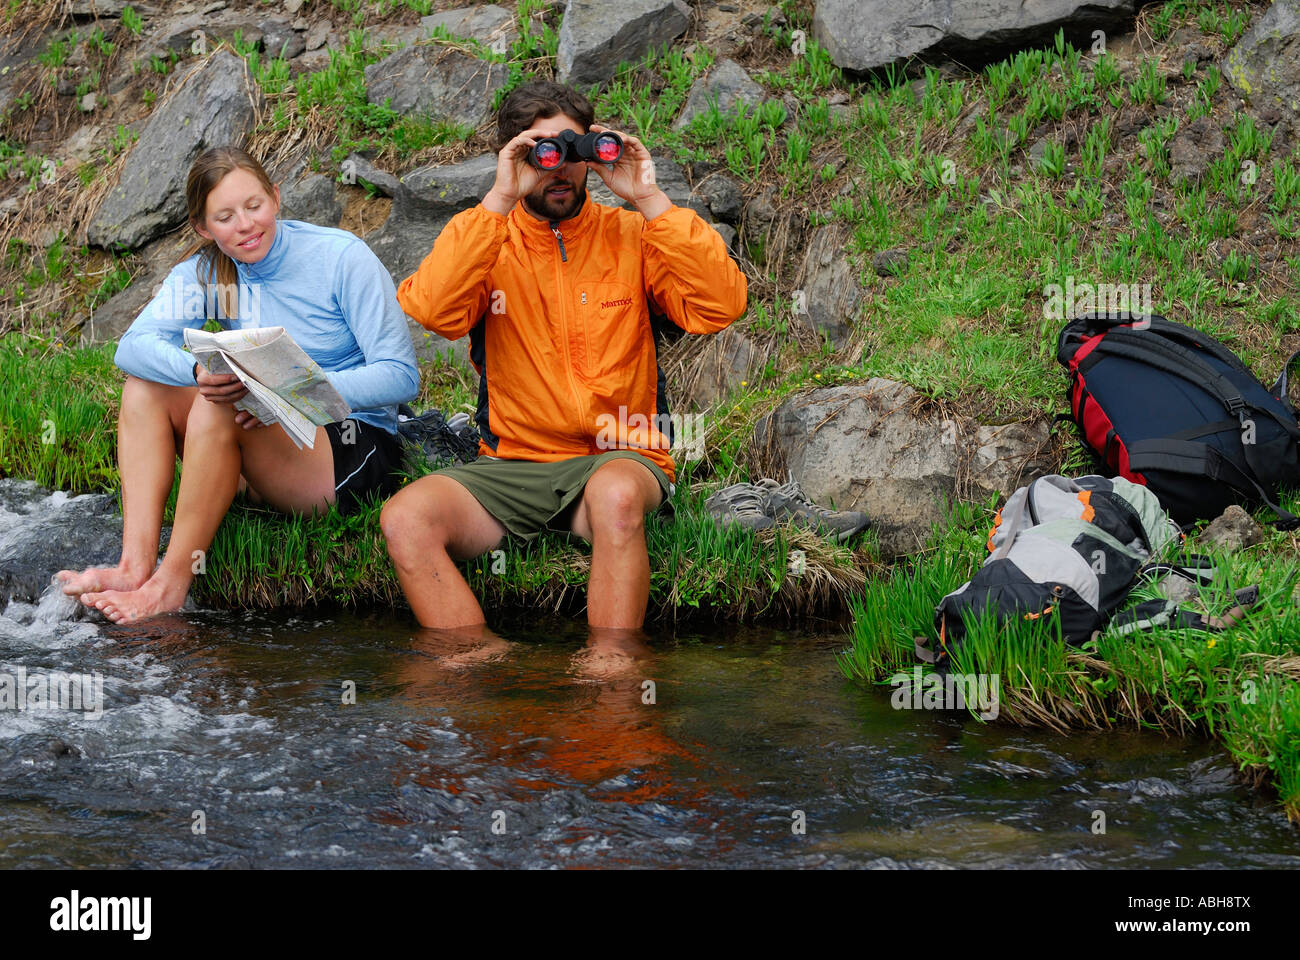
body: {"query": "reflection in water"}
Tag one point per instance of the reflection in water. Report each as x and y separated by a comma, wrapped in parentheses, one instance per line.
(350, 742)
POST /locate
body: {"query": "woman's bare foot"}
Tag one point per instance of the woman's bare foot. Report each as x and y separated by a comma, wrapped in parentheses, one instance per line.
(93, 579)
(157, 595)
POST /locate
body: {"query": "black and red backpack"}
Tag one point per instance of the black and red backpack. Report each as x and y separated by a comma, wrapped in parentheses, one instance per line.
(1173, 409)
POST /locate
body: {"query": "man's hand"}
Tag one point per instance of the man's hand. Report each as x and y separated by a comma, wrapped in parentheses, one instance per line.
(632, 178)
(516, 177)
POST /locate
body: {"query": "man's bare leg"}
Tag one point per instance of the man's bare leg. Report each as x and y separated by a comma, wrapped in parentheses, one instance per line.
(150, 433)
(611, 514)
(429, 526)
(217, 448)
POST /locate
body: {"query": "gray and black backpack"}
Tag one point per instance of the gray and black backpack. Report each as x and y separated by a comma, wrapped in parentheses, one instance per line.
(1069, 552)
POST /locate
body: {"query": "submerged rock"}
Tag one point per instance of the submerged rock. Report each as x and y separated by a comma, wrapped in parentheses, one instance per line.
(43, 532)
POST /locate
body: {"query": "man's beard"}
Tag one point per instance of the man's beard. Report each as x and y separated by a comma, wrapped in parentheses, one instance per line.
(554, 210)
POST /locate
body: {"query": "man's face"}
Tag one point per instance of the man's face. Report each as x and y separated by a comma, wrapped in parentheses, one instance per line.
(561, 192)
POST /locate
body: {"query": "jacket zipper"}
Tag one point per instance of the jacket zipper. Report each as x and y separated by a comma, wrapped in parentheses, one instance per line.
(559, 238)
(562, 293)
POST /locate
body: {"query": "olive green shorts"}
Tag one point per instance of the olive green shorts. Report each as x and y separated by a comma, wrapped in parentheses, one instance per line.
(527, 497)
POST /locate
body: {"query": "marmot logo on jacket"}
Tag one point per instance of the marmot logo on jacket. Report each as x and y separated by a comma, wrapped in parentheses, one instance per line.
(618, 302)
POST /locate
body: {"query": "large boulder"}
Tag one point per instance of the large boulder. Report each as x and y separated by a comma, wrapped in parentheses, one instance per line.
(871, 447)
(597, 35)
(864, 35)
(437, 81)
(1265, 64)
(214, 104)
(489, 24)
(726, 85)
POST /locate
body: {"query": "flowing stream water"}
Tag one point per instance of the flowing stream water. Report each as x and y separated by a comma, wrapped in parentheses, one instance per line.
(225, 741)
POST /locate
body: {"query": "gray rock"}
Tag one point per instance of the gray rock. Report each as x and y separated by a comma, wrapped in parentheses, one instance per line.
(318, 34)
(394, 35)
(108, 9)
(280, 40)
(1234, 529)
(1194, 147)
(727, 232)
(723, 195)
(489, 24)
(725, 363)
(311, 199)
(726, 84)
(214, 104)
(438, 81)
(425, 199)
(597, 35)
(889, 263)
(357, 169)
(250, 32)
(829, 284)
(1264, 66)
(865, 35)
(42, 534)
(865, 447)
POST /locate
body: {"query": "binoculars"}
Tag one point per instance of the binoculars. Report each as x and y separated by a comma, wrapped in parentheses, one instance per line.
(551, 153)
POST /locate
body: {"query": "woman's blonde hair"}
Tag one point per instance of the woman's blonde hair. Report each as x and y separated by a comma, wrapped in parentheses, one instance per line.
(209, 168)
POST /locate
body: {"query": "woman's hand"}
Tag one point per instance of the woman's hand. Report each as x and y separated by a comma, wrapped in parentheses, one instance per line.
(220, 387)
(632, 178)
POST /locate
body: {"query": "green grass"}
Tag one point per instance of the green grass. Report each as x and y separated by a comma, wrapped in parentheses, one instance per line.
(60, 437)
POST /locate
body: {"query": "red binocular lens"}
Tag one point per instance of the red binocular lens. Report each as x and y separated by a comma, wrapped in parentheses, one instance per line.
(552, 152)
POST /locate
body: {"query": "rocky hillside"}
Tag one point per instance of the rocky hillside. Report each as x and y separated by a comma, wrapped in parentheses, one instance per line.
(910, 195)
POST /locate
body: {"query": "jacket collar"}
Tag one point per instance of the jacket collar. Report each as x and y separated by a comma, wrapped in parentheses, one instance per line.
(538, 232)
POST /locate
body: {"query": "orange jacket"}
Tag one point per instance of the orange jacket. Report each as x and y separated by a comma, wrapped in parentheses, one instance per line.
(560, 326)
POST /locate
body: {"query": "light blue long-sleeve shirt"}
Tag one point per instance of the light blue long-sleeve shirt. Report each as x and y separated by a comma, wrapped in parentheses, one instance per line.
(325, 287)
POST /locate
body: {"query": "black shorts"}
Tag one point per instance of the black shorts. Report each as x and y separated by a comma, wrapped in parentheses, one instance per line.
(365, 458)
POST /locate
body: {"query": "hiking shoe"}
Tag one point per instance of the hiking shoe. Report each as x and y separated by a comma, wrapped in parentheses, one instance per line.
(741, 504)
(788, 501)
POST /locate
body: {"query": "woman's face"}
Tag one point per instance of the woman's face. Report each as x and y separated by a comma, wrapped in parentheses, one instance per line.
(240, 216)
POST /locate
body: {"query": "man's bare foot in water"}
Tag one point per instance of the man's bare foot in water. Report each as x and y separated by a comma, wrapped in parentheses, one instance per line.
(94, 579)
(157, 595)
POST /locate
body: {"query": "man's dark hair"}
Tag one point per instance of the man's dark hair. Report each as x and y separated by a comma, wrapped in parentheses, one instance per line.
(542, 98)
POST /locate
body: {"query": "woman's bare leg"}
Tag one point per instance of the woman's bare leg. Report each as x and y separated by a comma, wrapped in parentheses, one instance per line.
(150, 433)
(216, 450)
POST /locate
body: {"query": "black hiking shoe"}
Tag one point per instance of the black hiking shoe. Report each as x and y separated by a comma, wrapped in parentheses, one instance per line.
(787, 501)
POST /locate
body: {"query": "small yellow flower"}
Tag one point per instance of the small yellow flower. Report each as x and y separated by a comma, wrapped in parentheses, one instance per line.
(1212, 642)
(744, 383)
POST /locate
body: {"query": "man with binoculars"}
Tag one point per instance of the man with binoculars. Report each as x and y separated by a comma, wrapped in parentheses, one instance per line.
(555, 292)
